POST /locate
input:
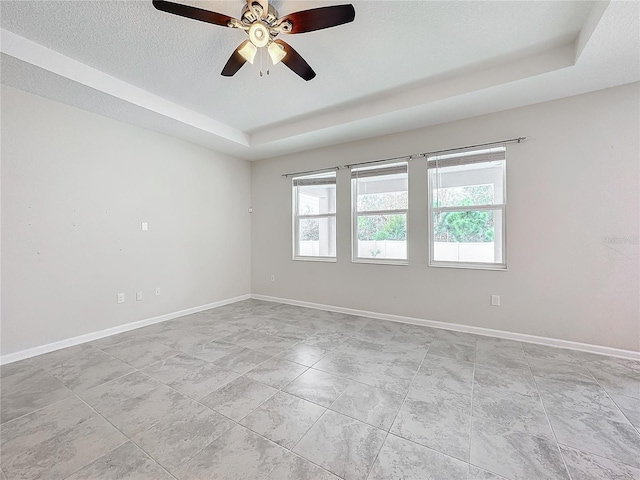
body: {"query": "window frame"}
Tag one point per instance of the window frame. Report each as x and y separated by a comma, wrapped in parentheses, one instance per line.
(501, 207)
(354, 218)
(295, 192)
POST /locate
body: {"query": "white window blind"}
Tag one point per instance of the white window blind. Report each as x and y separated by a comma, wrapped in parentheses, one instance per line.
(314, 217)
(467, 208)
(380, 203)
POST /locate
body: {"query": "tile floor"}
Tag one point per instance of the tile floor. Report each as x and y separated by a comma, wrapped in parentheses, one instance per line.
(259, 390)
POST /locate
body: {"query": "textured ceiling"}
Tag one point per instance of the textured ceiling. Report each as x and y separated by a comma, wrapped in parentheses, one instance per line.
(126, 60)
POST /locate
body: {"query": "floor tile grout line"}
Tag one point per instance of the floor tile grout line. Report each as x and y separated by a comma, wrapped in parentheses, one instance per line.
(613, 401)
(598, 455)
(473, 384)
(396, 415)
(555, 437)
(610, 398)
(129, 439)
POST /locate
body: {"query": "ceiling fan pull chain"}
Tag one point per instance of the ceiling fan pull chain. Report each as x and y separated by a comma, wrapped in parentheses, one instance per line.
(261, 57)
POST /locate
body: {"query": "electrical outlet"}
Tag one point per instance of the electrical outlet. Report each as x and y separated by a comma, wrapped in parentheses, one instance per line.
(495, 300)
(157, 291)
(273, 278)
(121, 298)
(138, 296)
(145, 226)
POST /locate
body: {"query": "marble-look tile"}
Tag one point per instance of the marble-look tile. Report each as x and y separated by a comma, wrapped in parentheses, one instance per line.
(369, 404)
(212, 351)
(243, 338)
(304, 354)
(377, 331)
(112, 340)
(239, 454)
(566, 399)
(120, 390)
(191, 376)
(203, 381)
(276, 372)
(617, 379)
(476, 473)
(318, 387)
(506, 358)
(437, 424)
(541, 352)
(181, 434)
(514, 412)
(20, 366)
(297, 468)
(630, 408)
(271, 344)
(456, 351)
(341, 364)
(400, 458)
(140, 352)
(614, 440)
(51, 360)
(28, 391)
(283, 419)
(505, 380)
(456, 337)
(342, 445)
(326, 340)
(585, 466)
(174, 367)
(442, 375)
(83, 367)
(295, 332)
(413, 336)
(26, 432)
(560, 370)
(243, 361)
(388, 376)
(125, 462)
(137, 414)
(62, 455)
(500, 345)
(238, 398)
(181, 338)
(515, 455)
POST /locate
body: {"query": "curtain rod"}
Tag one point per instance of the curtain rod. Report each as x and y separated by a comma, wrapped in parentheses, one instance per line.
(337, 167)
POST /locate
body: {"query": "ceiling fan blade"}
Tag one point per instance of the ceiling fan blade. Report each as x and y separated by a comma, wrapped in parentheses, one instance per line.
(235, 62)
(295, 62)
(193, 12)
(319, 18)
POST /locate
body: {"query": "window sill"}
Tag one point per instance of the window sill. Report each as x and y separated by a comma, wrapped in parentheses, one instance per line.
(315, 259)
(380, 261)
(470, 266)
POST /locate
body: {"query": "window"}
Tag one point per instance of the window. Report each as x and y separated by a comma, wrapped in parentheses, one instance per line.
(380, 203)
(467, 200)
(314, 217)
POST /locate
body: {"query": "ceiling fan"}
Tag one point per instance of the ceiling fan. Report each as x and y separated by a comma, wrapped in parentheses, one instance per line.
(260, 21)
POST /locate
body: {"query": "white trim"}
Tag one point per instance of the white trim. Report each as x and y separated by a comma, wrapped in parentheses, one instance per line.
(88, 337)
(42, 57)
(521, 337)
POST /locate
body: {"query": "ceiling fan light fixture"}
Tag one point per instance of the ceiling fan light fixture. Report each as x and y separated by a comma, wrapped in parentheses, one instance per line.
(259, 34)
(276, 52)
(248, 51)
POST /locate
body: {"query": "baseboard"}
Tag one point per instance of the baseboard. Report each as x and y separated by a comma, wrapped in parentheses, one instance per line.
(88, 337)
(521, 337)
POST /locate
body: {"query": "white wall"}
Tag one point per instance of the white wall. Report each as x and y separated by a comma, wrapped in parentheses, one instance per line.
(75, 189)
(572, 226)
